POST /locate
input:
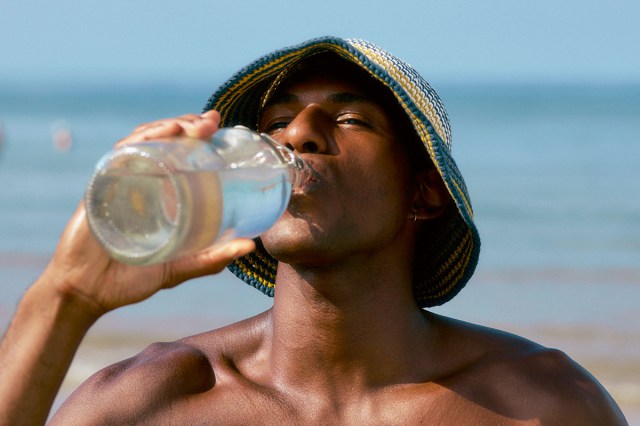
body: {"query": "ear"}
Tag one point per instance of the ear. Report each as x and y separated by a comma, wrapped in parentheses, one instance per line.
(431, 196)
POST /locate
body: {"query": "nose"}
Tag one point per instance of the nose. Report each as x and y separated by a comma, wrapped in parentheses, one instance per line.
(307, 131)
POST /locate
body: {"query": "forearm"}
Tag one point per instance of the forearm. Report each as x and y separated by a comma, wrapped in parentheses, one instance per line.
(36, 352)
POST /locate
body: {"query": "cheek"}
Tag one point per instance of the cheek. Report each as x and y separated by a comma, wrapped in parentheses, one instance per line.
(379, 206)
(387, 180)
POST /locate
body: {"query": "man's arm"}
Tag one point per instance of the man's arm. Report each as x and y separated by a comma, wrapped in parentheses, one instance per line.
(36, 352)
(80, 284)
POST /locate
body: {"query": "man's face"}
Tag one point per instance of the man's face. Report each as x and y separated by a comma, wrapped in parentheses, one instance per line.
(358, 197)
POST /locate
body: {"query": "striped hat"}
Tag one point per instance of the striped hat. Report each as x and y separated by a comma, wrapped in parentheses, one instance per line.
(439, 273)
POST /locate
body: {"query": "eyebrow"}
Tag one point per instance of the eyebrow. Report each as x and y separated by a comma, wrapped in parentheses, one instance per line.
(348, 98)
(337, 98)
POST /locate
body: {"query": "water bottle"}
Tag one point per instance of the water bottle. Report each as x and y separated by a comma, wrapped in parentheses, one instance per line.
(153, 201)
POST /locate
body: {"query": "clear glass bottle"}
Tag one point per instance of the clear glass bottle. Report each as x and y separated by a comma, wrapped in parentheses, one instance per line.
(153, 201)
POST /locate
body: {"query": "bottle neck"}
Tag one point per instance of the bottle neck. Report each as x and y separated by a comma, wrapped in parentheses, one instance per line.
(297, 166)
(300, 171)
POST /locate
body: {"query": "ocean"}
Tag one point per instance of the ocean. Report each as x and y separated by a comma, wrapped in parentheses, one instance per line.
(553, 172)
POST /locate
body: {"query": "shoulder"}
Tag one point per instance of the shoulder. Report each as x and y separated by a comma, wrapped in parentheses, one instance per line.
(142, 386)
(548, 384)
(138, 386)
(521, 379)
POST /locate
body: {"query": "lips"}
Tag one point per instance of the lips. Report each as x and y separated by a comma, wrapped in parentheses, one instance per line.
(312, 180)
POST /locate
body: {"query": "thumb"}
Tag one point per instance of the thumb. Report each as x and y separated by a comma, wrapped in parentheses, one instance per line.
(206, 262)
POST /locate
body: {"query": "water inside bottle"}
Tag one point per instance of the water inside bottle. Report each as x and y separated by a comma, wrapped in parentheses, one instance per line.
(147, 217)
(254, 199)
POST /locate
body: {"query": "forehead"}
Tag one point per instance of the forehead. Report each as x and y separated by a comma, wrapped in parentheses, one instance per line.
(316, 88)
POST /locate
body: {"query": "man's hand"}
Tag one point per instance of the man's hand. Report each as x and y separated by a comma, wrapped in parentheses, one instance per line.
(81, 268)
(201, 126)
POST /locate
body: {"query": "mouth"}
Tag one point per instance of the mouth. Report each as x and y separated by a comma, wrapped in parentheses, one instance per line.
(311, 181)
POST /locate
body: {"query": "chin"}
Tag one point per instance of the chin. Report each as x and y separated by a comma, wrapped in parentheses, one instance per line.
(294, 241)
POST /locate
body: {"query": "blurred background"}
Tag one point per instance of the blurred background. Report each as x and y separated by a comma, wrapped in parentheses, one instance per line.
(544, 100)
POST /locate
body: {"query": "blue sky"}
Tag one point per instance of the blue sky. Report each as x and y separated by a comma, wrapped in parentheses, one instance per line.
(449, 41)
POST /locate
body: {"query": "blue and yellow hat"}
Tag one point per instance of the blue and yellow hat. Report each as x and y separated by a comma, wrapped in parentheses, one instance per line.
(438, 274)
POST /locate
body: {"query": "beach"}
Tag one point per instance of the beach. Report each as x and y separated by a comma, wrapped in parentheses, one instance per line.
(552, 172)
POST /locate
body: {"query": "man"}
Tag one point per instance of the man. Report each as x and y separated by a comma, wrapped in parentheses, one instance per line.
(382, 228)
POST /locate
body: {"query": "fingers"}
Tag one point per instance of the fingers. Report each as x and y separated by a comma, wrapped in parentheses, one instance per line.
(201, 126)
(206, 262)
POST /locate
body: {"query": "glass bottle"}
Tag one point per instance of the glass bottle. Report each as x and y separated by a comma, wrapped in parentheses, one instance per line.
(153, 201)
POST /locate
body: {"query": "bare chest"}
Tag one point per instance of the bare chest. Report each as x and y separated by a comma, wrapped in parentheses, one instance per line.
(250, 404)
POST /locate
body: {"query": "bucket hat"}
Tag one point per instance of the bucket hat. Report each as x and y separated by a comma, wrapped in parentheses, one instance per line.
(439, 273)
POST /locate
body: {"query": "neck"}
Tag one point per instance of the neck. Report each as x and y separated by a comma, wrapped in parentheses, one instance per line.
(350, 320)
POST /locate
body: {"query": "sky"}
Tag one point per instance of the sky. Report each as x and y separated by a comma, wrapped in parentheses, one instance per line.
(583, 41)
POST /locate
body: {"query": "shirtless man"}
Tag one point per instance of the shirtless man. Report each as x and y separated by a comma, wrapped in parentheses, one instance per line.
(380, 230)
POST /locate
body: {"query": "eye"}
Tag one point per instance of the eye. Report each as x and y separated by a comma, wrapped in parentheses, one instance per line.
(354, 120)
(276, 126)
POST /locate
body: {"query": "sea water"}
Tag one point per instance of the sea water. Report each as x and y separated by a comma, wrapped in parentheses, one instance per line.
(146, 216)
